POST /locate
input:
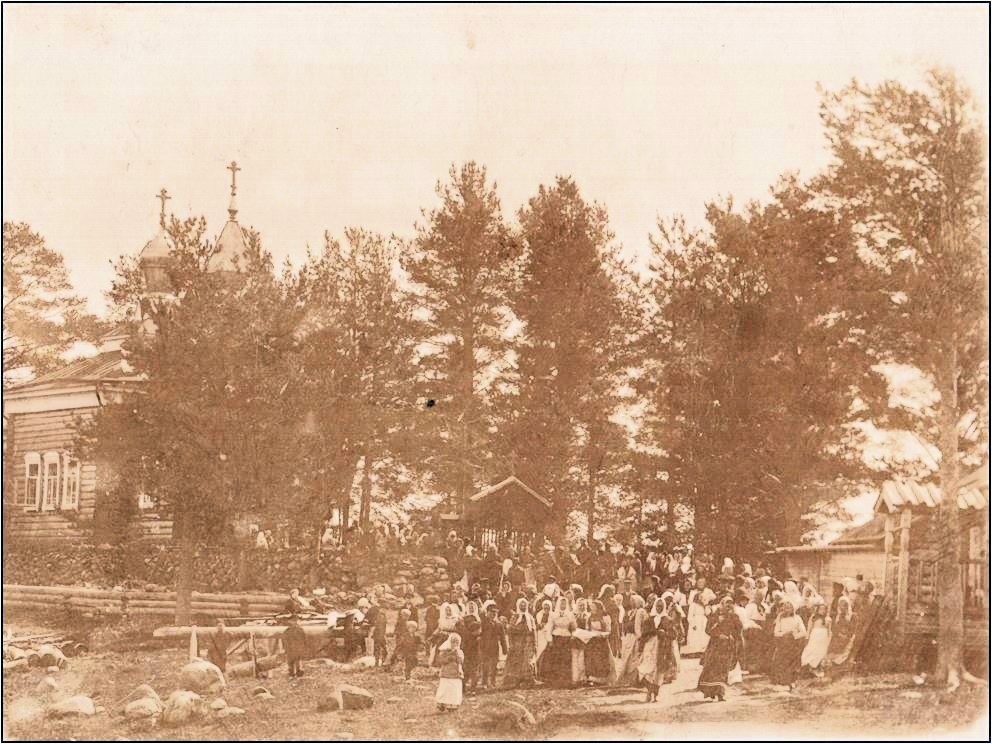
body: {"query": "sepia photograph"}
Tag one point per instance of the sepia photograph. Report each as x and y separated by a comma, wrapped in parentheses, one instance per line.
(460, 372)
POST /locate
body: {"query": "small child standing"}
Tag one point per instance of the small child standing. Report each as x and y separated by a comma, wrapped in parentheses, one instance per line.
(451, 660)
(294, 640)
(406, 649)
(379, 638)
(399, 631)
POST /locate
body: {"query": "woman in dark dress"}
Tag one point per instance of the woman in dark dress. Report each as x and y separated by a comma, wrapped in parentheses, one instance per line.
(521, 633)
(658, 665)
(599, 661)
(470, 628)
(724, 629)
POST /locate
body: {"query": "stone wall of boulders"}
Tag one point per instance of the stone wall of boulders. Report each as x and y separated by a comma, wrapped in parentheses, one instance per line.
(396, 577)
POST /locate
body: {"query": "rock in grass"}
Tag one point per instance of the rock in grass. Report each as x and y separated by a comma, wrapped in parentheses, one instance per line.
(50, 656)
(142, 708)
(218, 704)
(144, 691)
(182, 707)
(202, 676)
(77, 705)
(230, 710)
(329, 703)
(355, 698)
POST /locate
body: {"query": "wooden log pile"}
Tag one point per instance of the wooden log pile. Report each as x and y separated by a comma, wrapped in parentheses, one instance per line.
(120, 603)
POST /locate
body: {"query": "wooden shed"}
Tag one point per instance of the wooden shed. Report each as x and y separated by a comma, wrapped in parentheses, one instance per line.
(508, 512)
(912, 547)
(858, 552)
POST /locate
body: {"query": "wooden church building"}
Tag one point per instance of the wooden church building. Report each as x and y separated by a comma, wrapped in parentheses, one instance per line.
(52, 493)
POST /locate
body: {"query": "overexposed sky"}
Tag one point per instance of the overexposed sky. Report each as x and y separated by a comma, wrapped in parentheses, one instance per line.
(348, 115)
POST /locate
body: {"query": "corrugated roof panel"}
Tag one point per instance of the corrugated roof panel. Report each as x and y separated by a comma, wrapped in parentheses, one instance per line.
(104, 366)
(898, 494)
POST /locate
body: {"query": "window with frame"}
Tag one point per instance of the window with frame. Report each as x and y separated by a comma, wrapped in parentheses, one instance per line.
(71, 470)
(50, 484)
(29, 495)
(975, 570)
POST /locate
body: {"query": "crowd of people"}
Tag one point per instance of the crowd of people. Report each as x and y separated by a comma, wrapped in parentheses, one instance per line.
(620, 617)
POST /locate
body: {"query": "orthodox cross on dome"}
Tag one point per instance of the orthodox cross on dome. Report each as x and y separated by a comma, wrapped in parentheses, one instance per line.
(162, 196)
(233, 167)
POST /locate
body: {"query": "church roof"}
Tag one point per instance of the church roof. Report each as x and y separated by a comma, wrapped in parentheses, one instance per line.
(231, 245)
(157, 247)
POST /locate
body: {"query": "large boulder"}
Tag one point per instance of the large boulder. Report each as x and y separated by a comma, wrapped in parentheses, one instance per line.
(50, 656)
(142, 708)
(144, 691)
(202, 676)
(329, 703)
(355, 698)
(181, 707)
(77, 705)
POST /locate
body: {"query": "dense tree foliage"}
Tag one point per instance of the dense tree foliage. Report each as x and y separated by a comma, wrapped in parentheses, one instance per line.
(42, 316)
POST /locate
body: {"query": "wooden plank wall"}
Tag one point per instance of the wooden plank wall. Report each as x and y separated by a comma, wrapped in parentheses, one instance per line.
(42, 432)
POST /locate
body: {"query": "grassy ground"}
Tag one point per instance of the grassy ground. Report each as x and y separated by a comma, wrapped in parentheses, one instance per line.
(870, 706)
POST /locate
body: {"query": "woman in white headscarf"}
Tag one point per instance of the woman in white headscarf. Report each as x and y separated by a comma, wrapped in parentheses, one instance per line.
(696, 638)
(629, 648)
(657, 664)
(581, 614)
(841, 633)
(819, 639)
(522, 636)
(556, 666)
(451, 660)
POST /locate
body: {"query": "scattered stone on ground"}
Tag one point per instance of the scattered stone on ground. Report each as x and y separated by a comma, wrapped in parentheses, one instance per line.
(77, 705)
(259, 690)
(200, 675)
(181, 707)
(218, 704)
(50, 656)
(230, 710)
(355, 698)
(144, 691)
(145, 707)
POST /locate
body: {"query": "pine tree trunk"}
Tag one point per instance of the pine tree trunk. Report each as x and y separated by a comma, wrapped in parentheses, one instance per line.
(950, 603)
(591, 500)
(186, 544)
(365, 508)
(9, 482)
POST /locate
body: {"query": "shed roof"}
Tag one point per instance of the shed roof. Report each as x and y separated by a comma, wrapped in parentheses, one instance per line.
(973, 490)
(503, 484)
(108, 365)
(866, 536)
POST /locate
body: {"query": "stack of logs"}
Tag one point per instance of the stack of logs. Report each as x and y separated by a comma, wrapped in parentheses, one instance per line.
(139, 603)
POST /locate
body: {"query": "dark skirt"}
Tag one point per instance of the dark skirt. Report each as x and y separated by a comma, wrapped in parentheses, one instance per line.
(598, 661)
(518, 657)
(757, 652)
(786, 660)
(556, 662)
(719, 659)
